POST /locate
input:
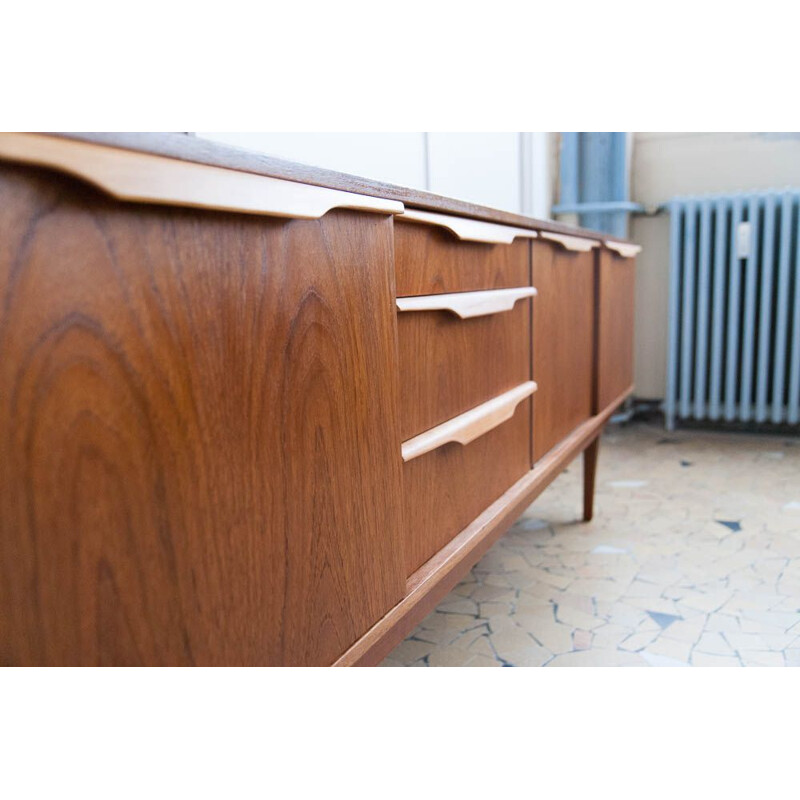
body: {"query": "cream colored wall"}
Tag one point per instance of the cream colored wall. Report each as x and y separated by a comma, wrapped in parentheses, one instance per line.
(668, 164)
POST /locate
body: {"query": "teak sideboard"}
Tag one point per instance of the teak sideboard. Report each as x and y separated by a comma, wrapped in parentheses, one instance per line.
(255, 413)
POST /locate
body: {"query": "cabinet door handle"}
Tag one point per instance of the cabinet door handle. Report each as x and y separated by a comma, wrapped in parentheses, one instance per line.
(467, 304)
(625, 249)
(576, 243)
(469, 230)
(468, 426)
(144, 178)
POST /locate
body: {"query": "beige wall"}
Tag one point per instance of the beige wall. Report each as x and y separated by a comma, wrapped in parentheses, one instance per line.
(668, 164)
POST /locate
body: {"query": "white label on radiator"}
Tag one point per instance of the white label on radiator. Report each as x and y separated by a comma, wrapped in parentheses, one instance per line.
(743, 238)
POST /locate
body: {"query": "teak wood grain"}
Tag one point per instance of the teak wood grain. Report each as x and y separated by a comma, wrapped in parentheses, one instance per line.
(200, 429)
(446, 489)
(449, 365)
(436, 577)
(616, 290)
(199, 432)
(431, 260)
(563, 342)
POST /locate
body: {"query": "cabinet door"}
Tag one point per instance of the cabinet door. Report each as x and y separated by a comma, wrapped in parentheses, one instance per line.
(563, 341)
(615, 327)
(199, 431)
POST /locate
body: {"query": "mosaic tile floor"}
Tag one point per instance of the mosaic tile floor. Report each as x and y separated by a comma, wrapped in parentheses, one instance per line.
(693, 559)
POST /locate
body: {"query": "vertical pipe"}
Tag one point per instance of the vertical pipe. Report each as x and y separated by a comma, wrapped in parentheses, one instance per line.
(734, 331)
(595, 149)
(569, 168)
(687, 312)
(620, 183)
(782, 310)
(594, 169)
(748, 332)
(675, 211)
(717, 309)
(765, 312)
(793, 409)
(703, 281)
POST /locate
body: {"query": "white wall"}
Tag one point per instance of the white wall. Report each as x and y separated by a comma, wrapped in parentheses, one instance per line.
(509, 171)
(668, 164)
(388, 157)
(484, 168)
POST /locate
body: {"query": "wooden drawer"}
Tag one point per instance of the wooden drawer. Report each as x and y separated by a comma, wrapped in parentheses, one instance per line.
(563, 337)
(451, 361)
(615, 322)
(437, 253)
(449, 485)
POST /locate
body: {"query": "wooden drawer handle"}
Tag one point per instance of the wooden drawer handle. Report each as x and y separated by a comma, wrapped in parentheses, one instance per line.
(467, 304)
(468, 426)
(575, 243)
(625, 249)
(130, 175)
(469, 230)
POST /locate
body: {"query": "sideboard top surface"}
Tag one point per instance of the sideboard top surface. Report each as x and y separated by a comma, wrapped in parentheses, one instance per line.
(204, 151)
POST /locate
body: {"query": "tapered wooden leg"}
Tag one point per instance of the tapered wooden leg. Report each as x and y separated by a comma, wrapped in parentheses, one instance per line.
(589, 472)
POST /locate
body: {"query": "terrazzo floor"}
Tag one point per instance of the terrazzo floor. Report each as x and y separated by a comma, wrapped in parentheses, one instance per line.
(693, 559)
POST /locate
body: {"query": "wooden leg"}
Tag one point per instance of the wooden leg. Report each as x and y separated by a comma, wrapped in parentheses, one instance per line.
(589, 472)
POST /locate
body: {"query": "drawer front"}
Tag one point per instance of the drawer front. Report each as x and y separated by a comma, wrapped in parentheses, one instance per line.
(431, 259)
(447, 488)
(449, 364)
(563, 333)
(615, 327)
